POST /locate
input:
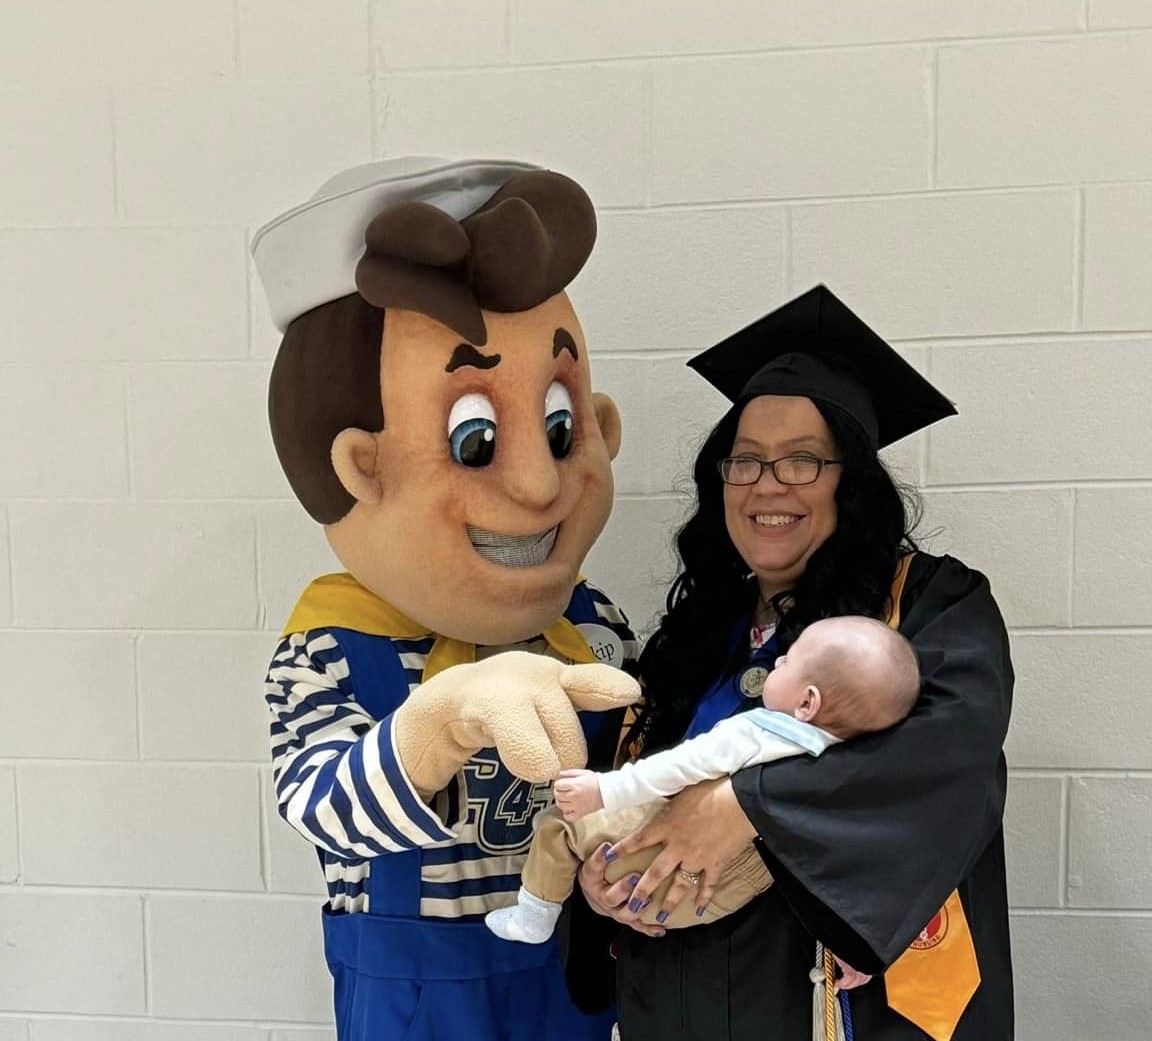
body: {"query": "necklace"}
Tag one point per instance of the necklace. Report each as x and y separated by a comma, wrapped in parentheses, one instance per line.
(765, 613)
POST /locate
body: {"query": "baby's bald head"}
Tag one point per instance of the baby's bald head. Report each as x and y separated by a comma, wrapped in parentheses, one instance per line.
(866, 674)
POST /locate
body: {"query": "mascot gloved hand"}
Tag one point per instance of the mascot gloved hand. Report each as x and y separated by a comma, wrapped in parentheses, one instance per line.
(431, 406)
(521, 704)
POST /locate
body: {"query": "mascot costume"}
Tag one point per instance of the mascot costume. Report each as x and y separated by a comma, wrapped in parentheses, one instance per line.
(431, 406)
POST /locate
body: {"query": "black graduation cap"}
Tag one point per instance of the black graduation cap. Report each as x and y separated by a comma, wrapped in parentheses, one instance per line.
(815, 347)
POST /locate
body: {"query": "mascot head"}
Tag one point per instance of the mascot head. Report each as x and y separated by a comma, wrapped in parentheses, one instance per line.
(431, 403)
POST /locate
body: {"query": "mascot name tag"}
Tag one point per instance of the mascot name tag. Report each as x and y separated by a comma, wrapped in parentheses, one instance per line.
(604, 643)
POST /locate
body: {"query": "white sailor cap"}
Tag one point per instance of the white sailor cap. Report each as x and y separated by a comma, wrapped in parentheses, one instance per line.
(308, 255)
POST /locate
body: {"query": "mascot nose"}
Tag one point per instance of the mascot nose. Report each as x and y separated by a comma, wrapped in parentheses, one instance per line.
(533, 479)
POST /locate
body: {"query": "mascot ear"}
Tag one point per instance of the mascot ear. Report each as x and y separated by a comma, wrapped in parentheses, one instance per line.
(608, 419)
(354, 460)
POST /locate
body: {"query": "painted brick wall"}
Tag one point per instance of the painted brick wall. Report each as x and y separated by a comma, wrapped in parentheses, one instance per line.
(975, 178)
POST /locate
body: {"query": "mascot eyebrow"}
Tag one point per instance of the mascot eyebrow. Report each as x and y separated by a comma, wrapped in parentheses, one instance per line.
(466, 354)
(562, 341)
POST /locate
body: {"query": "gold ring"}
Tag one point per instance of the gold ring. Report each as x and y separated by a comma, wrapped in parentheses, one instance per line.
(691, 877)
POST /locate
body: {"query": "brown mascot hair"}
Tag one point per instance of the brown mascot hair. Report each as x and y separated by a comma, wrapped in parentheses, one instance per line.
(519, 249)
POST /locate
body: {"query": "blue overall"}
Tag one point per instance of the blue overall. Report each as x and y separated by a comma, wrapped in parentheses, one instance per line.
(401, 977)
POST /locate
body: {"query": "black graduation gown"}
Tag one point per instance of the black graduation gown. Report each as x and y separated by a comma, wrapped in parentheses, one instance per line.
(865, 844)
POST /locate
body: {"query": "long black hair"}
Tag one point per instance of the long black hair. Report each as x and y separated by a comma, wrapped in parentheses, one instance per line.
(700, 638)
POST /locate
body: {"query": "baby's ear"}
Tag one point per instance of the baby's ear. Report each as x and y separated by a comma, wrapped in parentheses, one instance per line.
(809, 706)
(608, 419)
(354, 460)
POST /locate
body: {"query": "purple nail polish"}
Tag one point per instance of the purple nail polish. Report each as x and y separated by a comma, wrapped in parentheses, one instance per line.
(662, 917)
(634, 881)
(699, 912)
(610, 854)
(635, 905)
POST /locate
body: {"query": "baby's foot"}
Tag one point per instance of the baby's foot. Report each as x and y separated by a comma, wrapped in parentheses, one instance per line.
(529, 920)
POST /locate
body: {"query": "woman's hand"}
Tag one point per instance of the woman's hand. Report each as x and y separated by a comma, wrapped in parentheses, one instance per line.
(702, 830)
(611, 899)
(849, 978)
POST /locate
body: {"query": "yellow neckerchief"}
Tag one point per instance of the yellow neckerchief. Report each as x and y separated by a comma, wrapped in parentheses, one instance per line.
(339, 601)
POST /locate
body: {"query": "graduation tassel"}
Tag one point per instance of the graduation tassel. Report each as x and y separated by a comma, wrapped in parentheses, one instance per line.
(827, 1020)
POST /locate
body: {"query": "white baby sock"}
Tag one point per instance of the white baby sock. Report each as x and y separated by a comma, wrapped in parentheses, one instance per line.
(529, 920)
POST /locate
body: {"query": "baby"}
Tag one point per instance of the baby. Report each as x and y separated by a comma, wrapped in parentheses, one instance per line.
(843, 677)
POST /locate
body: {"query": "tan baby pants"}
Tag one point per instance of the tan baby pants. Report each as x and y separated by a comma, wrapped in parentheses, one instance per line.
(559, 847)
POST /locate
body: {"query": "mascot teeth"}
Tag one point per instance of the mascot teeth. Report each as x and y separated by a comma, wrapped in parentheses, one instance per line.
(513, 550)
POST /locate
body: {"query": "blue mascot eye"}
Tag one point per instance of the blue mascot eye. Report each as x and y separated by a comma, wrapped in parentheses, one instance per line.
(473, 442)
(559, 428)
(558, 422)
(472, 430)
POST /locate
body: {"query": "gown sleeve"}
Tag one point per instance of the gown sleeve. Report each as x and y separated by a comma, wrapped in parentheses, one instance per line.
(867, 841)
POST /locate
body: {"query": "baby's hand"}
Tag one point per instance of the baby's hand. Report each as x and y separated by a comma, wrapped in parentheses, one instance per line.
(577, 794)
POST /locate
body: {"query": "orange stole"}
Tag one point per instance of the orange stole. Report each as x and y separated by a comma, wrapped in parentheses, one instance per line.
(932, 982)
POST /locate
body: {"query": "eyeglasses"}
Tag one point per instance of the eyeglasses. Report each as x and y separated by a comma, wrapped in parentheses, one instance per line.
(791, 469)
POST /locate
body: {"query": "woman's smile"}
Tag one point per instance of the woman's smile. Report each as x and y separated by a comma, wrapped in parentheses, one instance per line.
(776, 527)
(776, 520)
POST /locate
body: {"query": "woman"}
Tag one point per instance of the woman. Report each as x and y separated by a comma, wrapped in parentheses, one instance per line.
(796, 520)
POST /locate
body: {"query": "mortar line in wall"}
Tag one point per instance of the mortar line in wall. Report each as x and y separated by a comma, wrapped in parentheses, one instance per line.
(137, 636)
(1135, 483)
(1086, 15)
(509, 20)
(916, 194)
(946, 341)
(19, 826)
(64, 762)
(787, 249)
(258, 577)
(924, 448)
(265, 835)
(934, 117)
(146, 921)
(1079, 260)
(124, 1017)
(238, 361)
(249, 302)
(221, 895)
(1065, 840)
(1086, 630)
(1093, 773)
(1072, 507)
(648, 115)
(1081, 912)
(685, 57)
(129, 460)
(10, 562)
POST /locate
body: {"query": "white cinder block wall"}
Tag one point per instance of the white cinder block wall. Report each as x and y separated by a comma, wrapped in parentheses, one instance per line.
(975, 178)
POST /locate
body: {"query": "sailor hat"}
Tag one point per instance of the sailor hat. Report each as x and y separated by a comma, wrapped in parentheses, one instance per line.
(308, 255)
